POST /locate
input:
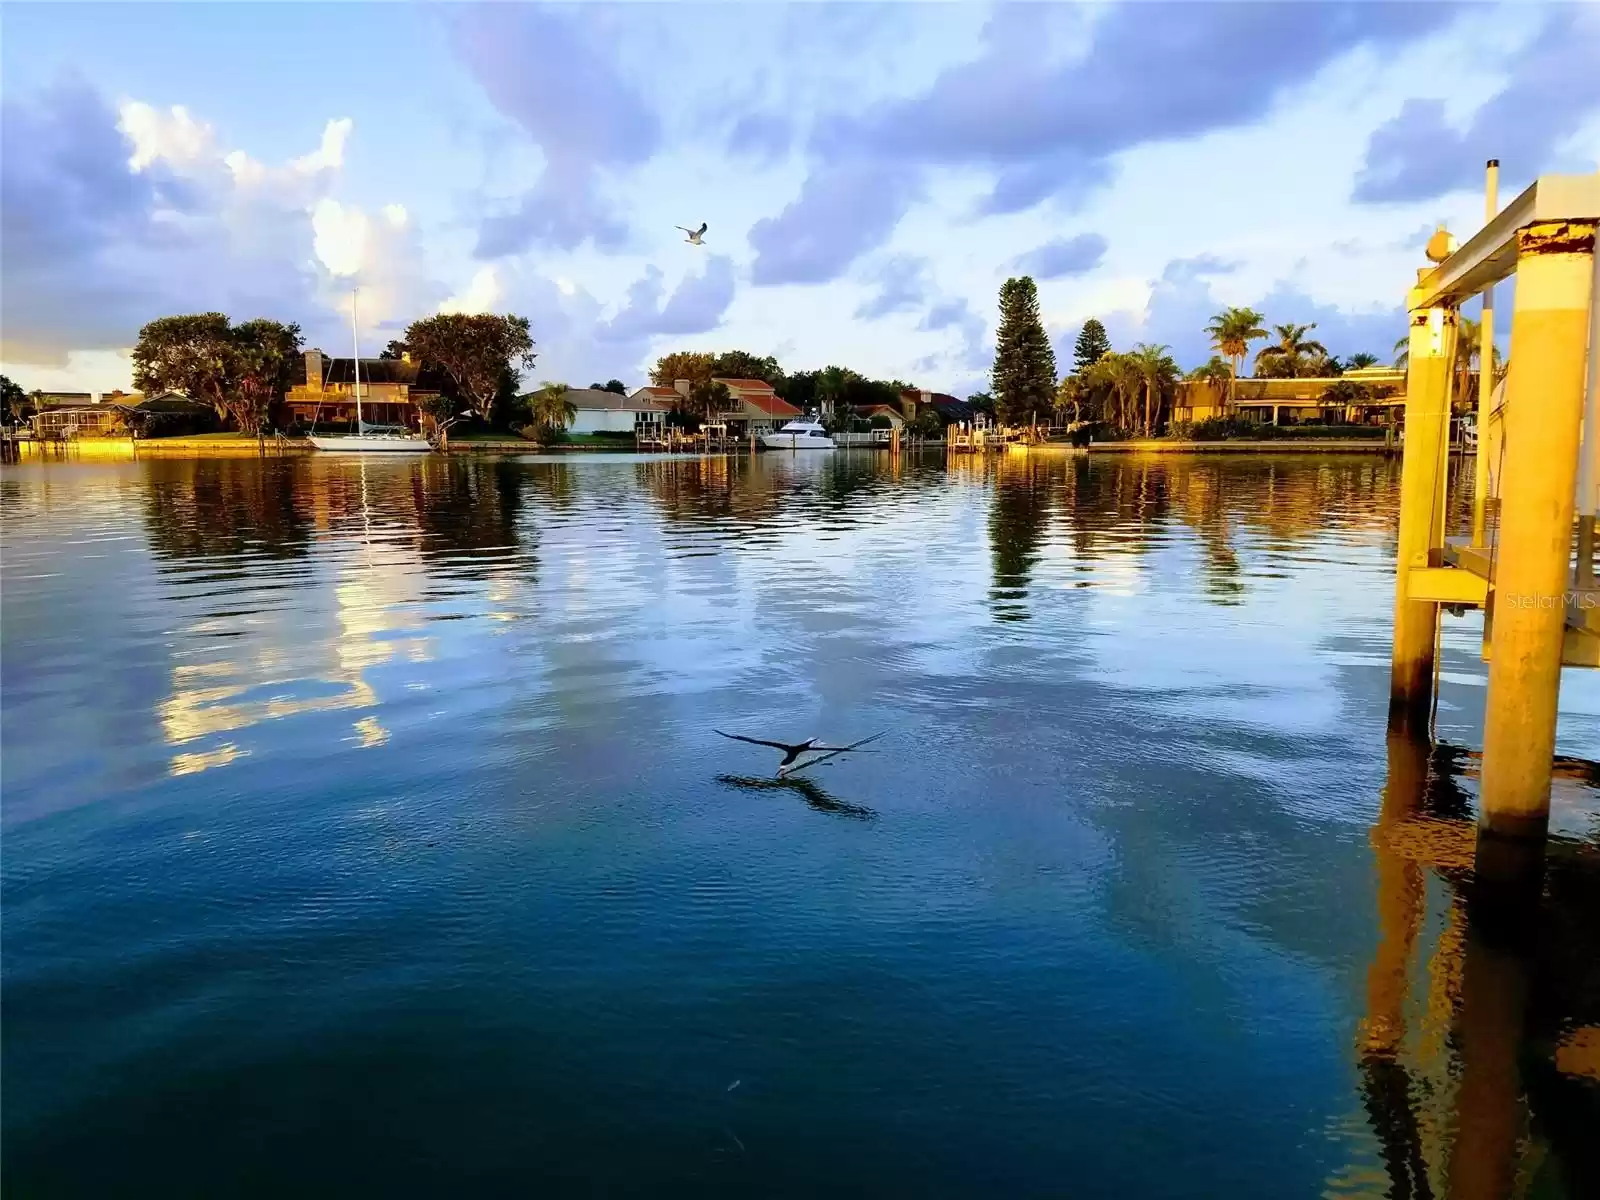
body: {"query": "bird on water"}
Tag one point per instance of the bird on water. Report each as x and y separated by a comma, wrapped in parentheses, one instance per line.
(793, 750)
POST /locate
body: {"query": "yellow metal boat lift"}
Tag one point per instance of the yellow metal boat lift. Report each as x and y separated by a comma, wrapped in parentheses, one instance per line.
(1538, 468)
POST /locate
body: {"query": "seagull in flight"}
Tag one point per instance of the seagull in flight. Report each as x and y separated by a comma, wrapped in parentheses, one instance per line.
(793, 750)
(696, 236)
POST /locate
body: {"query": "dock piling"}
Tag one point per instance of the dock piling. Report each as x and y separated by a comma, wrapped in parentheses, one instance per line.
(1543, 415)
(1422, 508)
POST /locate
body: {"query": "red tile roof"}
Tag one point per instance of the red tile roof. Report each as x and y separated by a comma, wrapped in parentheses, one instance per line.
(656, 390)
(745, 385)
(769, 403)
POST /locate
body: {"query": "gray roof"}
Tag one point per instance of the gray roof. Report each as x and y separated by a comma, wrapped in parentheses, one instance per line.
(596, 400)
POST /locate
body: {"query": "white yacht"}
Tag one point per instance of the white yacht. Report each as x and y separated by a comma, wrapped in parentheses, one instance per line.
(369, 439)
(798, 435)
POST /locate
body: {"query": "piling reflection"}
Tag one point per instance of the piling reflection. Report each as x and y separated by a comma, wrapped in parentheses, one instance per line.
(1480, 1086)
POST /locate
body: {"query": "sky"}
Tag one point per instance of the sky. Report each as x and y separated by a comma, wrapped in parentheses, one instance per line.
(869, 174)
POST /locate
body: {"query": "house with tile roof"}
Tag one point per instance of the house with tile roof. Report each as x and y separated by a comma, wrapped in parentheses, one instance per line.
(753, 406)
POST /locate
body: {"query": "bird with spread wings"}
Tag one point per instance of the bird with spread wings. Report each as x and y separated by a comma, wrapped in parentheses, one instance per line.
(793, 750)
(696, 236)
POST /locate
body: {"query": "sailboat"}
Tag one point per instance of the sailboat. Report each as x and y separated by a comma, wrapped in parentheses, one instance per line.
(369, 439)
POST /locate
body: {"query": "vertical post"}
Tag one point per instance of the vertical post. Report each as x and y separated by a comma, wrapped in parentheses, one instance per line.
(1589, 453)
(1480, 464)
(1544, 407)
(1423, 457)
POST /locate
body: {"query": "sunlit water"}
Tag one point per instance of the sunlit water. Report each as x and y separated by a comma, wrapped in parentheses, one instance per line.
(365, 832)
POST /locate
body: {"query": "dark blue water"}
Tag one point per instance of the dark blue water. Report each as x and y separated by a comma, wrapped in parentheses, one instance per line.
(365, 833)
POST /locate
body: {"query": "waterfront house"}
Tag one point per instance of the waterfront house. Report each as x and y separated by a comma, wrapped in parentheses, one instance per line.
(1297, 401)
(599, 411)
(754, 408)
(895, 416)
(67, 415)
(390, 389)
(950, 410)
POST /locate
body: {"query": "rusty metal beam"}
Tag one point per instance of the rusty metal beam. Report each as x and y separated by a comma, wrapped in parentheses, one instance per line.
(1491, 254)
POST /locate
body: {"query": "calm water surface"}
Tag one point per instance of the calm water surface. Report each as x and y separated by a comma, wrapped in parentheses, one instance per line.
(365, 833)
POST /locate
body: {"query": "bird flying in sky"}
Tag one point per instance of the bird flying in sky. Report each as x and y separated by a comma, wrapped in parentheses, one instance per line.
(696, 236)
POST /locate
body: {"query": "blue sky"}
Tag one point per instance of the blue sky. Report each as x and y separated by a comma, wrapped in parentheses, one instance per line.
(870, 174)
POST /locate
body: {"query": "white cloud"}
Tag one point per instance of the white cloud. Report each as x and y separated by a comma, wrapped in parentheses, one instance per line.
(478, 296)
(173, 135)
(329, 156)
(341, 235)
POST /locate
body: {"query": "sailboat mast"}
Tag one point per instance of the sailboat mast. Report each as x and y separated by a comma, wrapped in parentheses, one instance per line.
(355, 339)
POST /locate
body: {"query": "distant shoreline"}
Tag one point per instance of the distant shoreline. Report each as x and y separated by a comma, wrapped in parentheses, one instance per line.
(189, 447)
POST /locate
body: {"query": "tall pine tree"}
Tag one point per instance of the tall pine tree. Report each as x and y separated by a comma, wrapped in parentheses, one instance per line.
(1024, 373)
(1091, 346)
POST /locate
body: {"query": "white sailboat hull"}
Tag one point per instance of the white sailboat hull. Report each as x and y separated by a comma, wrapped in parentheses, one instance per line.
(367, 443)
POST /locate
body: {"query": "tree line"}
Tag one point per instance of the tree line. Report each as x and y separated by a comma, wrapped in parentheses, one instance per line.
(244, 371)
(1132, 391)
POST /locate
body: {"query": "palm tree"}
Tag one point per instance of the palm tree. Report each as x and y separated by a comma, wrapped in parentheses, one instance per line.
(1121, 374)
(1357, 361)
(1232, 330)
(550, 407)
(1158, 372)
(1292, 349)
(831, 385)
(1468, 333)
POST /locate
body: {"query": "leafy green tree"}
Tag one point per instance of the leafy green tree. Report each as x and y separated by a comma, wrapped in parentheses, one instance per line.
(262, 367)
(800, 390)
(1024, 374)
(475, 352)
(551, 406)
(440, 411)
(395, 350)
(707, 399)
(982, 402)
(1357, 361)
(692, 365)
(740, 364)
(14, 400)
(1159, 375)
(617, 386)
(1287, 358)
(1122, 379)
(1092, 343)
(1232, 330)
(189, 354)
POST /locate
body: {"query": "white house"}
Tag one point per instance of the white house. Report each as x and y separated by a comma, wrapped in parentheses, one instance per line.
(608, 412)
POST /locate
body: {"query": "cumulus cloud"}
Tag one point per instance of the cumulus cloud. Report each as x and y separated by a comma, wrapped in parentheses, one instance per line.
(548, 71)
(112, 217)
(902, 285)
(1062, 257)
(1553, 87)
(1047, 122)
(1151, 73)
(696, 305)
(479, 296)
(1181, 304)
(844, 210)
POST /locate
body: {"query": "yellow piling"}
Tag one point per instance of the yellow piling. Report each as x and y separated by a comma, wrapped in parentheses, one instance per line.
(1544, 408)
(1480, 464)
(1422, 479)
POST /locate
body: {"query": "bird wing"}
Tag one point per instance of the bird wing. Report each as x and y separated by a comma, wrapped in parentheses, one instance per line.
(831, 752)
(851, 746)
(784, 746)
(685, 228)
(703, 227)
